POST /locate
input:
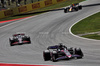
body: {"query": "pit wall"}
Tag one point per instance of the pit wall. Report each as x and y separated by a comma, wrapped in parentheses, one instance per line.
(28, 7)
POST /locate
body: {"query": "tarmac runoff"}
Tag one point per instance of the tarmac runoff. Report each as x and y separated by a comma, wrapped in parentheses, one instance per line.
(13, 19)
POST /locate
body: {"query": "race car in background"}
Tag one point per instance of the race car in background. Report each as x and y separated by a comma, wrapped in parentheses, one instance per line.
(19, 39)
(73, 7)
(60, 52)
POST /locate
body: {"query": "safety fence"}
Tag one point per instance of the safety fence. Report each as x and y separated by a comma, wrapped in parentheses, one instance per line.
(28, 7)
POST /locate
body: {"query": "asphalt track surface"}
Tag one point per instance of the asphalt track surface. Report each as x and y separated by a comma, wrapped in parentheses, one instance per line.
(48, 29)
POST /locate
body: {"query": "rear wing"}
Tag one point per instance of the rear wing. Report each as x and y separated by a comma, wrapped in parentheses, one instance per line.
(53, 47)
(18, 34)
(76, 3)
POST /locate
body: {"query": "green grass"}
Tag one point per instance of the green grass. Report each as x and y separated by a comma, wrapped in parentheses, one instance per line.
(92, 36)
(59, 5)
(87, 25)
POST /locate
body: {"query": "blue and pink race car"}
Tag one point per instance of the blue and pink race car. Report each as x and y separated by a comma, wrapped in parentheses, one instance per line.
(60, 52)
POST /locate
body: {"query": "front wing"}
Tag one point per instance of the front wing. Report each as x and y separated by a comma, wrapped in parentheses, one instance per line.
(17, 42)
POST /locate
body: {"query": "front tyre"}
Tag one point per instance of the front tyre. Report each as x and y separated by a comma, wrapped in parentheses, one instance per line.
(54, 56)
(65, 10)
(78, 51)
(11, 43)
(28, 39)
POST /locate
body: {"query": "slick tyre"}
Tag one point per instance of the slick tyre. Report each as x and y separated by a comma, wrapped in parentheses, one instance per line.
(71, 50)
(11, 43)
(28, 39)
(76, 9)
(78, 51)
(46, 55)
(65, 10)
(54, 57)
(80, 7)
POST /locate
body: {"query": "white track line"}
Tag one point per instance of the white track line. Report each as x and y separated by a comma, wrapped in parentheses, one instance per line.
(77, 22)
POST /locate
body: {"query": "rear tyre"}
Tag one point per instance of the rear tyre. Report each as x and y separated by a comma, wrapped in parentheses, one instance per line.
(76, 9)
(28, 39)
(80, 7)
(46, 55)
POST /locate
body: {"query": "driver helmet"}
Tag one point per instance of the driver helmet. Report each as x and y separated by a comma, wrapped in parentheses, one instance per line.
(60, 45)
(19, 36)
(73, 4)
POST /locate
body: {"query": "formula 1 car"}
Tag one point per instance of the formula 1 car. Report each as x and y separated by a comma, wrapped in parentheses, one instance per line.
(19, 39)
(55, 53)
(73, 7)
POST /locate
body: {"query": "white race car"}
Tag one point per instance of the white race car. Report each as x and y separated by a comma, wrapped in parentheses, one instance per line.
(20, 38)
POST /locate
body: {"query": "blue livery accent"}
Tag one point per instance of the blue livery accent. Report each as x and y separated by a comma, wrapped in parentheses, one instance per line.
(63, 57)
(52, 47)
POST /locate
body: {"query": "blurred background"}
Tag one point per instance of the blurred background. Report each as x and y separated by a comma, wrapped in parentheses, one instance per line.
(6, 4)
